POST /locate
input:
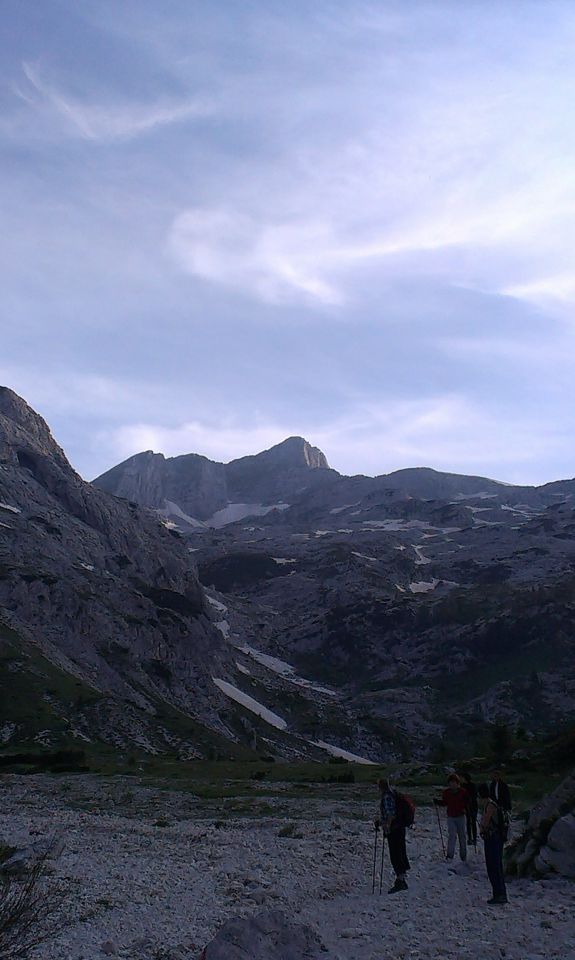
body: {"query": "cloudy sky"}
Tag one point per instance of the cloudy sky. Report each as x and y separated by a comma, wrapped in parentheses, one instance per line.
(225, 222)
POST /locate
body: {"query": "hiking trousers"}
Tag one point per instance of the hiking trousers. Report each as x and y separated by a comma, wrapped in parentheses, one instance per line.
(493, 846)
(471, 817)
(456, 828)
(397, 851)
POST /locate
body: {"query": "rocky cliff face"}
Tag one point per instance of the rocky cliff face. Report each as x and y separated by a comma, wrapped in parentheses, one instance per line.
(199, 488)
(100, 599)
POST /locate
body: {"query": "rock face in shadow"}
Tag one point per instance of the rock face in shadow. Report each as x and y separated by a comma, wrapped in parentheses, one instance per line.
(267, 936)
(100, 600)
(547, 846)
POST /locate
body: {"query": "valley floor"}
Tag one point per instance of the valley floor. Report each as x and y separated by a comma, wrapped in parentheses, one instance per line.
(153, 874)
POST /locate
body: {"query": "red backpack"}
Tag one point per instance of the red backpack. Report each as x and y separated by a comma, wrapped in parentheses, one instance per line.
(405, 809)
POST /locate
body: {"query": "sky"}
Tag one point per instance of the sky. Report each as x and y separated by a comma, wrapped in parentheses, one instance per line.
(226, 222)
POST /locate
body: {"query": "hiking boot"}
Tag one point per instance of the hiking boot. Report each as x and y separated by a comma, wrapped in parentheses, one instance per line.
(498, 900)
(397, 886)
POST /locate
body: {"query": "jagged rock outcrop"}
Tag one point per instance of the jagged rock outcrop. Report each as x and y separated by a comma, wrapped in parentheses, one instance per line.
(547, 845)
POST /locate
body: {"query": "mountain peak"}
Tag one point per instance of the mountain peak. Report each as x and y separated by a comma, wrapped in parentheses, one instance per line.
(293, 452)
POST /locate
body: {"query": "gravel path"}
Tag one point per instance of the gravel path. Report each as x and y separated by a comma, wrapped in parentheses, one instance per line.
(152, 877)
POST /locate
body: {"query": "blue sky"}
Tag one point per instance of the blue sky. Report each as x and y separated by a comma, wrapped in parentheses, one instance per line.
(228, 222)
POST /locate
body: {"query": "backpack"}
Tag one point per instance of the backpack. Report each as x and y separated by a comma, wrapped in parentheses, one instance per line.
(405, 809)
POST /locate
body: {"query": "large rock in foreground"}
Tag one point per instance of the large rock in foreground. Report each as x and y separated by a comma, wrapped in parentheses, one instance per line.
(267, 936)
(547, 845)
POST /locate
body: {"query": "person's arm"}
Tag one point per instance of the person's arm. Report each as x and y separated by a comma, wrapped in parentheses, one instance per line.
(486, 818)
(440, 801)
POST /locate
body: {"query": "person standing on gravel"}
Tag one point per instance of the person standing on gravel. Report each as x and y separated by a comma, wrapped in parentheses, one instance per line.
(492, 829)
(394, 830)
(456, 799)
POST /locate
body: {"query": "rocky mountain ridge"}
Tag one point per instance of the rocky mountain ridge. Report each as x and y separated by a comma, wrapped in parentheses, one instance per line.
(368, 618)
(195, 491)
(433, 603)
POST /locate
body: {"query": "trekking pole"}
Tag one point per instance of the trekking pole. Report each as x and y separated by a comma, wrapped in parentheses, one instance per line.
(374, 861)
(440, 831)
(381, 868)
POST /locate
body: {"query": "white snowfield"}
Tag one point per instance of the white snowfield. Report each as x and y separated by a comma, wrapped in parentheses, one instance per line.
(239, 511)
(250, 704)
(217, 604)
(421, 558)
(9, 508)
(282, 560)
(284, 669)
(423, 586)
(172, 510)
(339, 752)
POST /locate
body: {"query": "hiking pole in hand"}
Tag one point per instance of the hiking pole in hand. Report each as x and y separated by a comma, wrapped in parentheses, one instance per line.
(381, 868)
(374, 859)
(440, 831)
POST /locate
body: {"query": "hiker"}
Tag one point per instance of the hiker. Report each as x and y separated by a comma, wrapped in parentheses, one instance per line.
(456, 799)
(492, 828)
(394, 830)
(499, 790)
(472, 807)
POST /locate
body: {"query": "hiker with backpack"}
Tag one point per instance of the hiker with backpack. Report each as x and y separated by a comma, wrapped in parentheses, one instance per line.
(456, 799)
(493, 829)
(499, 790)
(395, 813)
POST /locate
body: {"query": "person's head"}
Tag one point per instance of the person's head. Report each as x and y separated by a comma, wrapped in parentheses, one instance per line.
(497, 773)
(453, 782)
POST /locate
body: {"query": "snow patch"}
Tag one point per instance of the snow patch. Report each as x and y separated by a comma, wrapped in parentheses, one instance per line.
(346, 506)
(250, 704)
(339, 752)
(172, 509)
(224, 628)
(239, 511)
(6, 506)
(420, 557)
(243, 669)
(281, 560)
(423, 586)
(283, 669)
(217, 604)
(362, 555)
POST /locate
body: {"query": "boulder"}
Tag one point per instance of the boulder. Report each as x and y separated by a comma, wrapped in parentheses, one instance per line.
(547, 845)
(24, 860)
(558, 854)
(266, 936)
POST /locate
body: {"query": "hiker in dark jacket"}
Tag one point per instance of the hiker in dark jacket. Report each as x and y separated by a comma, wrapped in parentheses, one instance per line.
(394, 830)
(472, 809)
(499, 790)
(492, 830)
(456, 799)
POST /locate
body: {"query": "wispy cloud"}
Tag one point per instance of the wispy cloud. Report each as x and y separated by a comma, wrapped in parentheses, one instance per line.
(103, 121)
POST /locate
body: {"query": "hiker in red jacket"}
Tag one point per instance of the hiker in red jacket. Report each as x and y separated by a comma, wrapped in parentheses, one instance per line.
(456, 799)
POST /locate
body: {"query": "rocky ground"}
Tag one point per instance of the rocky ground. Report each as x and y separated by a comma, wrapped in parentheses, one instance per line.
(153, 873)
